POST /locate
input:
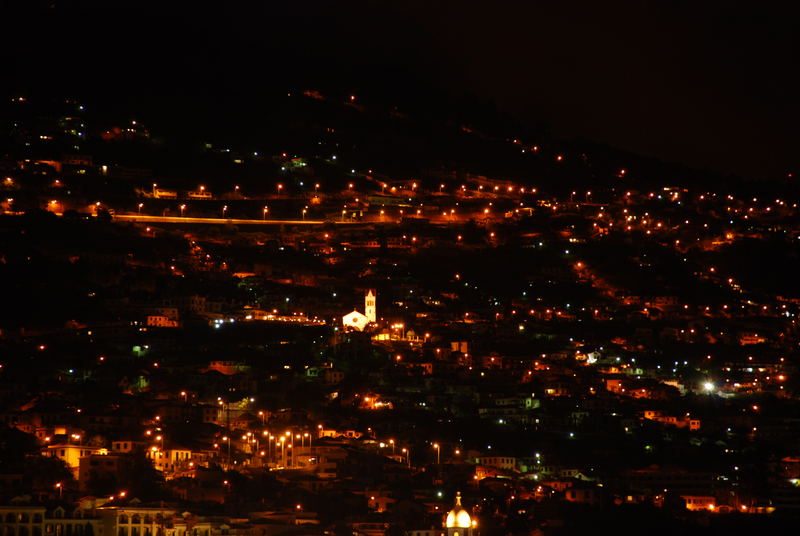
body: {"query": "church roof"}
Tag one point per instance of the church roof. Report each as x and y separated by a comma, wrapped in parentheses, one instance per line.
(458, 517)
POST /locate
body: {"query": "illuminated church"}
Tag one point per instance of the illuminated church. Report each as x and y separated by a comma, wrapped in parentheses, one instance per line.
(358, 321)
(459, 522)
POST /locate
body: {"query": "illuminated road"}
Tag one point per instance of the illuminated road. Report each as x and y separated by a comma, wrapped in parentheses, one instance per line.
(142, 218)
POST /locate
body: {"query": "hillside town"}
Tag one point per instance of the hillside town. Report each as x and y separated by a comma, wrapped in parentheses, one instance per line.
(325, 340)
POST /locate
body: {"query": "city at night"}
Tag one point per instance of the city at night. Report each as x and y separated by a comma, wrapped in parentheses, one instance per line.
(399, 268)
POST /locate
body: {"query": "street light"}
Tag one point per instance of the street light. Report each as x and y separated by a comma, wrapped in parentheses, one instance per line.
(438, 452)
(304, 214)
(140, 207)
(183, 210)
(224, 210)
(228, 439)
(266, 209)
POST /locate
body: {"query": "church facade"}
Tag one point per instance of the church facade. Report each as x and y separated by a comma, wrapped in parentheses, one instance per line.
(358, 321)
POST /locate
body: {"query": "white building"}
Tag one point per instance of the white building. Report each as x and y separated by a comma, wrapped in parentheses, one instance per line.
(358, 321)
(355, 320)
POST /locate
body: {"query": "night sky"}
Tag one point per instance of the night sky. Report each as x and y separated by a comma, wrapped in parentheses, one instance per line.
(708, 84)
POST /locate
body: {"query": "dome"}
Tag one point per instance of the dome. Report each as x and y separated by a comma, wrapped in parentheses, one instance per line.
(458, 518)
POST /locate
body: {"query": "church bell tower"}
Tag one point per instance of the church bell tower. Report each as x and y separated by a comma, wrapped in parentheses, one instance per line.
(369, 306)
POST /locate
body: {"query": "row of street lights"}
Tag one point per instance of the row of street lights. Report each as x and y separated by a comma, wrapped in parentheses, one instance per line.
(451, 214)
(405, 451)
(265, 210)
(280, 187)
(224, 210)
(286, 441)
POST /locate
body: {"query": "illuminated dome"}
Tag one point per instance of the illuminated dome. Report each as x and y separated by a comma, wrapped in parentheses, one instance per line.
(458, 518)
